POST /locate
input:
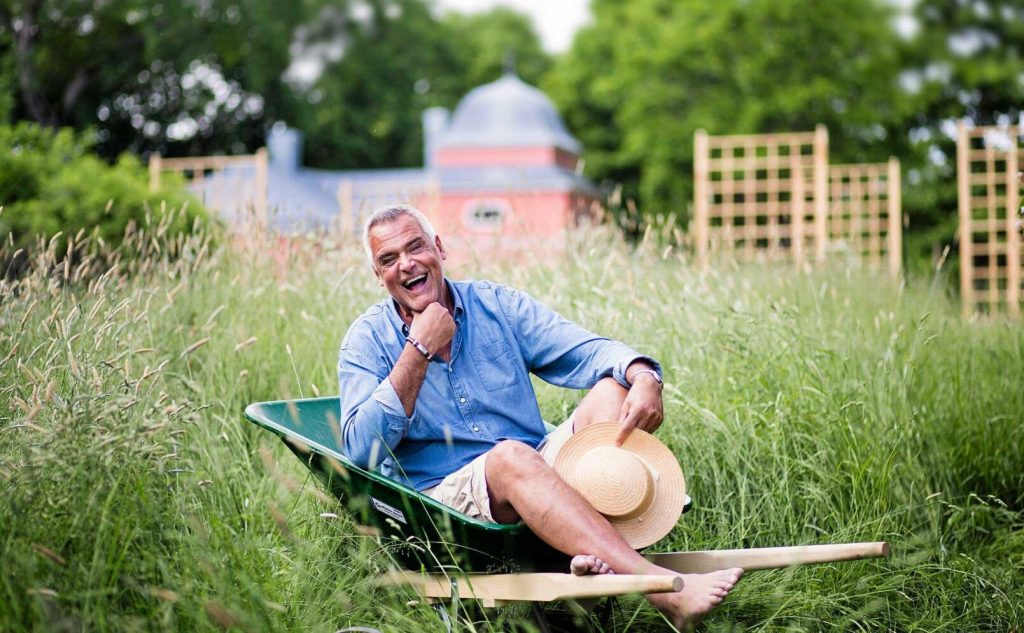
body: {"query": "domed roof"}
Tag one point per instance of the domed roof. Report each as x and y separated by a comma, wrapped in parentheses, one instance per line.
(508, 113)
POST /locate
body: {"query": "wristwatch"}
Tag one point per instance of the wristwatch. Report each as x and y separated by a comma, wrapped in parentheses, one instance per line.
(661, 383)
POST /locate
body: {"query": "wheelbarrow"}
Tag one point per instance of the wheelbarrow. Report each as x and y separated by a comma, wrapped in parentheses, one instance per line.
(447, 556)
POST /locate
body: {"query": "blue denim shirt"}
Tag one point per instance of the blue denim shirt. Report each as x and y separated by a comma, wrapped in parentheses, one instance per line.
(482, 396)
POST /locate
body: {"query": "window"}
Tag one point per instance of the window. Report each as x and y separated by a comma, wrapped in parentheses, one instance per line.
(486, 214)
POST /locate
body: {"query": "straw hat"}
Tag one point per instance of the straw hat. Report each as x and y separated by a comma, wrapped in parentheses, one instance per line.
(638, 487)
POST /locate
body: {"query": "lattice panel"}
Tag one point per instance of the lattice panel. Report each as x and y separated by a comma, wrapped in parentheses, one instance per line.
(761, 196)
(988, 159)
(865, 213)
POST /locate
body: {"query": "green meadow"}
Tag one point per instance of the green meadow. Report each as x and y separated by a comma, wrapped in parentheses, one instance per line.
(805, 407)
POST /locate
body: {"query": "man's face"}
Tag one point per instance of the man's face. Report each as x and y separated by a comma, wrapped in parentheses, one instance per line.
(408, 264)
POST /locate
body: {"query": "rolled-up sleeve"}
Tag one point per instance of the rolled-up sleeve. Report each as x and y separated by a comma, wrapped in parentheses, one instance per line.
(560, 351)
(373, 420)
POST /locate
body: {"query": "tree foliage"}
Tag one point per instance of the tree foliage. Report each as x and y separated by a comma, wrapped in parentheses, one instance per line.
(648, 74)
(493, 40)
(50, 183)
(963, 62)
(179, 77)
(381, 65)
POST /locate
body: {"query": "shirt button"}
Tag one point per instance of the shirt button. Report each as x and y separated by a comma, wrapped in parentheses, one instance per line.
(476, 428)
(462, 399)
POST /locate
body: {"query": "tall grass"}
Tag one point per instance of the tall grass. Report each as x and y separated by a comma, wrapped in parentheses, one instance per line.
(805, 408)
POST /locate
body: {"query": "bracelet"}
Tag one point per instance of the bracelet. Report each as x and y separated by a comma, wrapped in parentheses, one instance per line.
(420, 347)
(661, 383)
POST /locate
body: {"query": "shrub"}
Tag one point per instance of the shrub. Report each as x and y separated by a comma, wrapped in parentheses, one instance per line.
(50, 182)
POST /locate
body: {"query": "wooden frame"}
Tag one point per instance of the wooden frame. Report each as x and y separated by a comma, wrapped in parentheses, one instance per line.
(198, 170)
(865, 212)
(423, 194)
(761, 196)
(498, 589)
(988, 160)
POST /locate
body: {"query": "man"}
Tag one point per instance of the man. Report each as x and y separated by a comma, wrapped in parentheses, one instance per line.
(435, 390)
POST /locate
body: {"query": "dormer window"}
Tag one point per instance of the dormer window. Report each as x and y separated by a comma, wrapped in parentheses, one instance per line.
(486, 214)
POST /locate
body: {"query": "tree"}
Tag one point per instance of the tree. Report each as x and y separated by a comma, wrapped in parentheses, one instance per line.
(487, 41)
(646, 75)
(963, 61)
(381, 66)
(179, 77)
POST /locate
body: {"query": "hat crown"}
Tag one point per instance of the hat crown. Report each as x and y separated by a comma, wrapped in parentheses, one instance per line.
(616, 482)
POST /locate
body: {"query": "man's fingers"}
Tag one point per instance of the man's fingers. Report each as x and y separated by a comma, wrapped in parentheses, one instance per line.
(623, 434)
(627, 421)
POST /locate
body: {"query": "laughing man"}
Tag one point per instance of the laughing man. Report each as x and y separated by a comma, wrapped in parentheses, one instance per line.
(435, 390)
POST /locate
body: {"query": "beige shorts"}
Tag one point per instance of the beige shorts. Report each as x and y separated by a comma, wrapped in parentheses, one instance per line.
(465, 489)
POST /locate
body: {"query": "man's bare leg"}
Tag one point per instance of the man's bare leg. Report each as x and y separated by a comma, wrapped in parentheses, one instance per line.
(523, 487)
(601, 404)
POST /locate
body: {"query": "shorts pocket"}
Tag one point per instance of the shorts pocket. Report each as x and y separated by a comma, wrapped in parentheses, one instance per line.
(494, 365)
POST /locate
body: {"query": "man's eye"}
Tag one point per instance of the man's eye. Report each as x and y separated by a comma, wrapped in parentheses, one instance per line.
(417, 247)
(386, 263)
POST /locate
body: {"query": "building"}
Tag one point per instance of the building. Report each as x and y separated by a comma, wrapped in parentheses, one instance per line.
(499, 177)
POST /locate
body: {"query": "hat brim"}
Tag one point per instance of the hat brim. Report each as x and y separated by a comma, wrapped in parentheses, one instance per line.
(670, 488)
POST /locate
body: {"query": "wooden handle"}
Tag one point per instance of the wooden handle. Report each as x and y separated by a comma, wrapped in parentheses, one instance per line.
(766, 557)
(493, 589)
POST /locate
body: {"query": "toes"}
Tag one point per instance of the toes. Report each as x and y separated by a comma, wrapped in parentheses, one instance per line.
(580, 565)
(584, 564)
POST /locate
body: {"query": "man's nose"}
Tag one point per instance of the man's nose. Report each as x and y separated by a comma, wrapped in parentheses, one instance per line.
(404, 261)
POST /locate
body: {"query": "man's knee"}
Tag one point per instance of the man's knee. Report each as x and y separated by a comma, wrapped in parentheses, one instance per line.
(511, 459)
(610, 386)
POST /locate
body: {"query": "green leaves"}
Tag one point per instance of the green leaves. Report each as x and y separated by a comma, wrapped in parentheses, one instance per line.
(50, 182)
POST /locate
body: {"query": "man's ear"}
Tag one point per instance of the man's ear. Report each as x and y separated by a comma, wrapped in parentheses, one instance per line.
(380, 282)
(440, 247)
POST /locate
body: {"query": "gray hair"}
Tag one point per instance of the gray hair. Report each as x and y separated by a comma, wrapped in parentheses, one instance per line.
(390, 213)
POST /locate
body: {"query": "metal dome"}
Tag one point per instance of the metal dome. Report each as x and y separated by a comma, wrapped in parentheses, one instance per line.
(508, 113)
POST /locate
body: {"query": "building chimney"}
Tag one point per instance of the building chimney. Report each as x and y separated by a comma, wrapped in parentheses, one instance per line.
(285, 145)
(435, 122)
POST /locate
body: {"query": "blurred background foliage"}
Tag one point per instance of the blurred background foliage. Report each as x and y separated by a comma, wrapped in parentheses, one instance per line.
(888, 77)
(52, 183)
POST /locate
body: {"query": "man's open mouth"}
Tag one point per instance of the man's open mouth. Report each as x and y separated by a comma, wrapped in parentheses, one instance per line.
(416, 282)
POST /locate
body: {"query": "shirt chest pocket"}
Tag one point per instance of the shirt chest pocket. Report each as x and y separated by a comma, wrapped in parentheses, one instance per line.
(493, 363)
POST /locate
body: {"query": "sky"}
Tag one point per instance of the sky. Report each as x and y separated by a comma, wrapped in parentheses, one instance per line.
(556, 21)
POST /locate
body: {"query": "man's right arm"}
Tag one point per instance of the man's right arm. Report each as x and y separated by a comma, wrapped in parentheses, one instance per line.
(373, 419)
(378, 406)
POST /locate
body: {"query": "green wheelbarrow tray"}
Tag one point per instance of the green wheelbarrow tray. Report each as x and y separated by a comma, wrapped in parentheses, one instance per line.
(419, 532)
(425, 536)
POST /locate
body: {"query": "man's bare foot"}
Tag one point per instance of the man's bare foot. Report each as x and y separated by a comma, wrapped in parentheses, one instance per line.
(700, 594)
(585, 564)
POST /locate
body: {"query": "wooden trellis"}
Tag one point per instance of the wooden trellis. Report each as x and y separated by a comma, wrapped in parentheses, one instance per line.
(988, 159)
(865, 212)
(761, 196)
(239, 188)
(774, 196)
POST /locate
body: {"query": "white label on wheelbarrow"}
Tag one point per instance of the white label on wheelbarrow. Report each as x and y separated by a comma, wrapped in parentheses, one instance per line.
(394, 513)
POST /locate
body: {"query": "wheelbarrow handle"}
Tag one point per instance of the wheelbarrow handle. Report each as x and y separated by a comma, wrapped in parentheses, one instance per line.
(496, 589)
(766, 557)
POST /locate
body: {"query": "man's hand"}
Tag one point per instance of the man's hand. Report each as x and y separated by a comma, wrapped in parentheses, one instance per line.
(642, 408)
(433, 327)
